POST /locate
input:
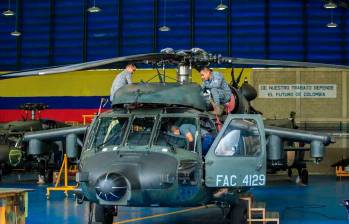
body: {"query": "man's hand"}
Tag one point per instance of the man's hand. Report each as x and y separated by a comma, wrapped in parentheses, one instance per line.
(189, 137)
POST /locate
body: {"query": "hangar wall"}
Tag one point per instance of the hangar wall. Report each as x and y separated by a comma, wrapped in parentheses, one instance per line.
(317, 110)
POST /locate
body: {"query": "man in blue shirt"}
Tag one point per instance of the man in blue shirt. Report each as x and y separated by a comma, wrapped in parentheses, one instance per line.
(186, 130)
(218, 87)
(123, 78)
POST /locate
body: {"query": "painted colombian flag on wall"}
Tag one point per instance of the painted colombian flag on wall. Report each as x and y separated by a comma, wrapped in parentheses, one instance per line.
(68, 95)
(71, 95)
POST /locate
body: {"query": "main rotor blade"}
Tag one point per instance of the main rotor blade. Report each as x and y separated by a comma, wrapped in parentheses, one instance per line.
(146, 58)
(263, 63)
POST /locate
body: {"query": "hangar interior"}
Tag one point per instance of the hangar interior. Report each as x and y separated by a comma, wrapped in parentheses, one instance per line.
(312, 99)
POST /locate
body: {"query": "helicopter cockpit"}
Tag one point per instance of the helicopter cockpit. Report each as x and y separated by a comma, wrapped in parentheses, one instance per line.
(108, 131)
(131, 130)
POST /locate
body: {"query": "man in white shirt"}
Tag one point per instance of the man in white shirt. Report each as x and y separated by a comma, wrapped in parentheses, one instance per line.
(123, 78)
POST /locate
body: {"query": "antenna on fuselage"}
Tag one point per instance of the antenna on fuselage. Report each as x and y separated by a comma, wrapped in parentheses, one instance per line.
(164, 71)
(102, 104)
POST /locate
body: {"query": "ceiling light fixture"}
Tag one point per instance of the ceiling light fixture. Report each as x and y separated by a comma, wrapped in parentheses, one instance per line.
(330, 5)
(164, 28)
(8, 12)
(16, 33)
(221, 6)
(94, 8)
(331, 24)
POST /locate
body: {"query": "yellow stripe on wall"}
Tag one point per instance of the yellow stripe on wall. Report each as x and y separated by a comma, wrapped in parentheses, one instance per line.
(86, 83)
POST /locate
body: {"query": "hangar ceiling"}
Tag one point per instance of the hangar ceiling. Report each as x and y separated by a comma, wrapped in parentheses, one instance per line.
(62, 31)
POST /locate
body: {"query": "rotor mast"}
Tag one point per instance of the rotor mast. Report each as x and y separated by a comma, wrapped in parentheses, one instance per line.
(184, 73)
(194, 56)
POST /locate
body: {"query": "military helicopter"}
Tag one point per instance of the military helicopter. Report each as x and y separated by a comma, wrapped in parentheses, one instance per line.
(130, 157)
(11, 132)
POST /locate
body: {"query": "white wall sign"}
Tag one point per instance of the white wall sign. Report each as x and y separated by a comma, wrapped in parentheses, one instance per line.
(297, 90)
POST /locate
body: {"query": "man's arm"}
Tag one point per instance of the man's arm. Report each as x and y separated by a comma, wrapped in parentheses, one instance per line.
(128, 78)
(186, 130)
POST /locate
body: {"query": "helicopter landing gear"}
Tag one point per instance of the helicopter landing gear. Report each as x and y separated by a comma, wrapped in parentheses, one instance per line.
(237, 213)
(304, 176)
(102, 214)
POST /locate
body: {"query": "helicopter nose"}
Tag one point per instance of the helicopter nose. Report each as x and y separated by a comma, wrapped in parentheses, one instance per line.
(111, 187)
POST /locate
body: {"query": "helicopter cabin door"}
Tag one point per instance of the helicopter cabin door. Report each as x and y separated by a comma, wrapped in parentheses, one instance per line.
(237, 157)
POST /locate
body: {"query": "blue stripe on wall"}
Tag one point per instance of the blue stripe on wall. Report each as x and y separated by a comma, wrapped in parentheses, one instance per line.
(66, 102)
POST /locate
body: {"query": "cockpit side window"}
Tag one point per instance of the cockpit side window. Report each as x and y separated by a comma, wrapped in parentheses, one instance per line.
(140, 131)
(241, 138)
(110, 131)
(177, 132)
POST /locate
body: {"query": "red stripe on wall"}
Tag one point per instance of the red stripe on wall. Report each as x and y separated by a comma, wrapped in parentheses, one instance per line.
(64, 115)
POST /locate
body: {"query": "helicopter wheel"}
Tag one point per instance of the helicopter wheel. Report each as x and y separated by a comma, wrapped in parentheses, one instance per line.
(102, 214)
(304, 176)
(238, 213)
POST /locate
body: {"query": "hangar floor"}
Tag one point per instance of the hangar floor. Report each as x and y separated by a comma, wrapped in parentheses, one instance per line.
(319, 202)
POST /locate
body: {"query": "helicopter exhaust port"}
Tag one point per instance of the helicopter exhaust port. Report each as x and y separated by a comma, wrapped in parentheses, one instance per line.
(111, 187)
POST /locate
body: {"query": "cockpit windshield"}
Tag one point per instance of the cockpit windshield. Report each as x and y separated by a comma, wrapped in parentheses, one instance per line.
(140, 131)
(110, 131)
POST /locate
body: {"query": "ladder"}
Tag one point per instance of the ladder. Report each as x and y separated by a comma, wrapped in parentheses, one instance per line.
(257, 213)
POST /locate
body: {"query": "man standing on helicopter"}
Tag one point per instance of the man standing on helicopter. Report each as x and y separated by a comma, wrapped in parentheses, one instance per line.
(123, 78)
(218, 87)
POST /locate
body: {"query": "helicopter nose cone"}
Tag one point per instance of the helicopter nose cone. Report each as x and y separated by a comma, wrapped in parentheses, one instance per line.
(111, 187)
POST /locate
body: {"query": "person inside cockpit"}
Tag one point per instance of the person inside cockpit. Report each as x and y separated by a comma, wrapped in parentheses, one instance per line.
(187, 131)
